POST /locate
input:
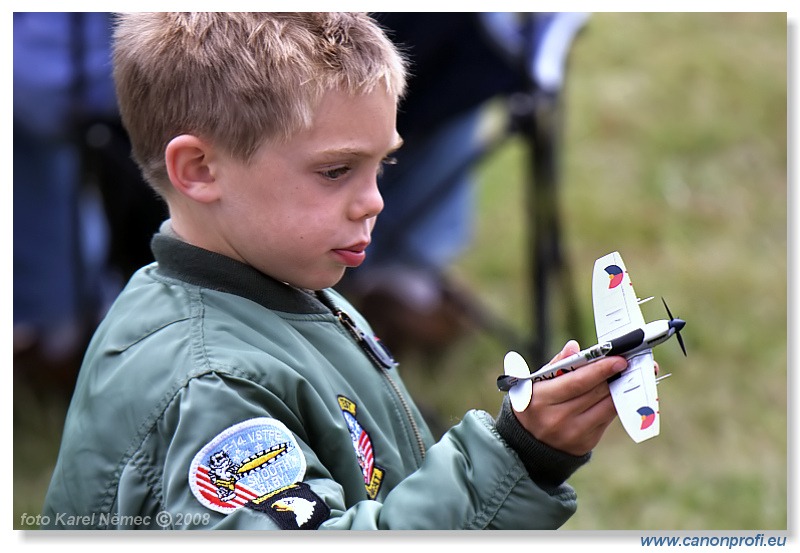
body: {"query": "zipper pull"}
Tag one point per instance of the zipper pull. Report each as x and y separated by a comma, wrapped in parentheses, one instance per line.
(378, 353)
(376, 350)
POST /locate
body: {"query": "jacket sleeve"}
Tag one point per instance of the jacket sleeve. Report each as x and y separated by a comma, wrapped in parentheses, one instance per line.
(470, 479)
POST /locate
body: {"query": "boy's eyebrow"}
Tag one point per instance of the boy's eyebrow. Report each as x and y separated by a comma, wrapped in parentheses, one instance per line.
(398, 143)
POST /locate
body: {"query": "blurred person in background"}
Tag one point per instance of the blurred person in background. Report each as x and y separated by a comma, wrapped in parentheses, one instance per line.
(76, 239)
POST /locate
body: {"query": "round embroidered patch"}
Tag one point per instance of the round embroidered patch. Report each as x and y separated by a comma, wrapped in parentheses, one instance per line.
(244, 463)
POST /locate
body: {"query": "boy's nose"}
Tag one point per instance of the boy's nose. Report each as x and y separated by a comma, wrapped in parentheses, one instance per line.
(368, 203)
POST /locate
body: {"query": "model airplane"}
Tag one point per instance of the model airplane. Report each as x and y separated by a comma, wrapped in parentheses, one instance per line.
(621, 330)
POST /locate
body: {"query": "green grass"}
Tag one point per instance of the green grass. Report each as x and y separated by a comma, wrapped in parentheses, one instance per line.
(675, 154)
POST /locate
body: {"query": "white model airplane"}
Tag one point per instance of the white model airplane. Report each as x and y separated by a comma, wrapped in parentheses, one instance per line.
(621, 330)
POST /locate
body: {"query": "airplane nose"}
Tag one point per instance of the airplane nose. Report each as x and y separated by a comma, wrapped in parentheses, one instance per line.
(677, 324)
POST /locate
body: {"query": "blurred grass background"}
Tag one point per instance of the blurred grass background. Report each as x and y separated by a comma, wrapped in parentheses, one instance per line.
(675, 154)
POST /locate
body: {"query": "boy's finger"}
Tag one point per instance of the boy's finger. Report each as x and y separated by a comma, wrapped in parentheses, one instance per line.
(578, 382)
(570, 348)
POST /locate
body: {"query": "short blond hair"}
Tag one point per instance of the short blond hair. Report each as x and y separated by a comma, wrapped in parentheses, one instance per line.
(238, 79)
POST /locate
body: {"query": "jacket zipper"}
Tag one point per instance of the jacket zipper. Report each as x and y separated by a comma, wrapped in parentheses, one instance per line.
(380, 357)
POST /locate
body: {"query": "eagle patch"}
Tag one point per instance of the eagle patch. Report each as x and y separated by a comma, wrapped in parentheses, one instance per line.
(244, 463)
(294, 507)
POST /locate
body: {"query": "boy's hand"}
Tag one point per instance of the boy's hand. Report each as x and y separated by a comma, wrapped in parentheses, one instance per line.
(571, 412)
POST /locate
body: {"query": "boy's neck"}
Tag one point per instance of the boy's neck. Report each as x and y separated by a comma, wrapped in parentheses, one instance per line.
(168, 230)
(182, 260)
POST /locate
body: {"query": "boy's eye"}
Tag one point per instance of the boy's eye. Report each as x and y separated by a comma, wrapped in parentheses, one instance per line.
(335, 173)
(386, 161)
(338, 172)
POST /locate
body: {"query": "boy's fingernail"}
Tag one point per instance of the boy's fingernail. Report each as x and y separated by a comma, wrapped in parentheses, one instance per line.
(571, 345)
(620, 365)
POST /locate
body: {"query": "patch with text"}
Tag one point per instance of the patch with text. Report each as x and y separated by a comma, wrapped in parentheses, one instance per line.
(245, 462)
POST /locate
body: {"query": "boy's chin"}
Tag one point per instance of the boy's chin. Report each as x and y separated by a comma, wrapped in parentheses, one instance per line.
(321, 282)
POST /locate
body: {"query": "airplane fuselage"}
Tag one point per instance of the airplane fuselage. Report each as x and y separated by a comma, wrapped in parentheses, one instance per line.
(628, 345)
(644, 338)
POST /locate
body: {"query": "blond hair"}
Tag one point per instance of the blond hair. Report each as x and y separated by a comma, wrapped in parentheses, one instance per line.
(238, 79)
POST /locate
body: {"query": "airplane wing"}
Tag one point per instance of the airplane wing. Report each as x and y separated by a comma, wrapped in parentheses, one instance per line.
(616, 311)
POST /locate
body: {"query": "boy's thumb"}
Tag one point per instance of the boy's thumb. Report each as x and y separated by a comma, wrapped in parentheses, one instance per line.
(570, 348)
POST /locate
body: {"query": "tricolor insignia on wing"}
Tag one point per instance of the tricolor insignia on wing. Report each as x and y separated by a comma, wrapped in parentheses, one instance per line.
(362, 443)
(615, 276)
(244, 462)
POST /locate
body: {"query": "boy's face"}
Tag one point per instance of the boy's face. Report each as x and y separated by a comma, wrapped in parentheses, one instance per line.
(303, 211)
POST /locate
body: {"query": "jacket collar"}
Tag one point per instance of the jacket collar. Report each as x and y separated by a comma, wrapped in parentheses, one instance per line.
(207, 269)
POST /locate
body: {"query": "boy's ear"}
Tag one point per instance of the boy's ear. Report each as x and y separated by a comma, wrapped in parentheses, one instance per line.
(188, 160)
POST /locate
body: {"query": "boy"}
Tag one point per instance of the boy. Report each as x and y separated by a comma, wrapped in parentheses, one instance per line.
(229, 386)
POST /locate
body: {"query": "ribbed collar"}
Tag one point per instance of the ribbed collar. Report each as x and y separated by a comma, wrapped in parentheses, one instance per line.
(183, 261)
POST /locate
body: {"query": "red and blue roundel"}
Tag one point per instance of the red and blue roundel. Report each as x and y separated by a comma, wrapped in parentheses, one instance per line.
(648, 416)
(615, 275)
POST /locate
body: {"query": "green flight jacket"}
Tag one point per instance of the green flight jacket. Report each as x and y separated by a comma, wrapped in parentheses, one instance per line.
(209, 380)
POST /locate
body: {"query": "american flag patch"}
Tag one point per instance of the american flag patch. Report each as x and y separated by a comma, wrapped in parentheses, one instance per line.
(362, 443)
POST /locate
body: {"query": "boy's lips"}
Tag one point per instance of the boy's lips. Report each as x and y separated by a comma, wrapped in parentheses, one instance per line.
(352, 256)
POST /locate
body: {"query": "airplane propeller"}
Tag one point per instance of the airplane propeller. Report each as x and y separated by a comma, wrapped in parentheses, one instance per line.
(678, 325)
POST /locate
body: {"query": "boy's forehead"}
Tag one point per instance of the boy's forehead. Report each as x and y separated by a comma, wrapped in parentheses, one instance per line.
(345, 123)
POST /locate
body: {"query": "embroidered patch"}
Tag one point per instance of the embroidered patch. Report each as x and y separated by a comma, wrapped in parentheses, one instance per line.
(373, 475)
(294, 507)
(245, 462)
